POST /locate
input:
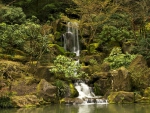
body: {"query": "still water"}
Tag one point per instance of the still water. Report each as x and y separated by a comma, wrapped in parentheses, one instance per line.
(94, 108)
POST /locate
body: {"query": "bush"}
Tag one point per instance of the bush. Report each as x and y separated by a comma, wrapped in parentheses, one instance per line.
(118, 59)
(12, 15)
(67, 67)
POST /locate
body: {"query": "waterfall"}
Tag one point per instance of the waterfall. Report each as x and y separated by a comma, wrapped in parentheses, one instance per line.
(71, 39)
(71, 44)
(87, 95)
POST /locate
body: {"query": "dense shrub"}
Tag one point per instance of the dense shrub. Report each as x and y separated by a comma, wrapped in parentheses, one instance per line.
(12, 15)
(118, 59)
(67, 67)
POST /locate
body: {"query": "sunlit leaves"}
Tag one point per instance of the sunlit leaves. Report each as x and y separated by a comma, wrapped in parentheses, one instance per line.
(64, 66)
(12, 15)
(118, 59)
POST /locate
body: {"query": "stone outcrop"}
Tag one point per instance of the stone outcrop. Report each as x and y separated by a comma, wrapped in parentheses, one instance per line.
(102, 82)
(121, 80)
(47, 91)
(121, 97)
(140, 73)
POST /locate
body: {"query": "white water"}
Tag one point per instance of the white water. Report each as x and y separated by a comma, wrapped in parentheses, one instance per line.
(87, 95)
(71, 39)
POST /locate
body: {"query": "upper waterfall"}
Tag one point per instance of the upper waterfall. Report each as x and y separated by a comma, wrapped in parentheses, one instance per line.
(71, 39)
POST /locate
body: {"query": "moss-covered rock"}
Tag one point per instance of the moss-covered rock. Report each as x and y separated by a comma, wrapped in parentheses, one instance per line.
(140, 74)
(102, 82)
(147, 92)
(121, 80)
(47, 91)
(73, 91)
(25, 101)
(121, 97)
(57, 49)
(93, 47)
(128, 46)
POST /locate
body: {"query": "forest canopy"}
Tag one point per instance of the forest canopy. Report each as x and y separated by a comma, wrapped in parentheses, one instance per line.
(103, 24)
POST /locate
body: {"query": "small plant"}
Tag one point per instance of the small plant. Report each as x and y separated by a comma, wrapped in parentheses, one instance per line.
(5, 100)
(65, 66)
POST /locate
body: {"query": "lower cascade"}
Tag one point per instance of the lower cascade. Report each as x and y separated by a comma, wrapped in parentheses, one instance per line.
(87, 95)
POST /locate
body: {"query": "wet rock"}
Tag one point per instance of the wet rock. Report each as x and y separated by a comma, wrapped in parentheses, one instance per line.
(71, 101)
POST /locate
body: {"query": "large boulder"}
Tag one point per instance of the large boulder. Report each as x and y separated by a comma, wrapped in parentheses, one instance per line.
(47, 91)
(138, 62)
(102, 82)
(42, 72)
(140, 74)
(121, 97)
(121, 80)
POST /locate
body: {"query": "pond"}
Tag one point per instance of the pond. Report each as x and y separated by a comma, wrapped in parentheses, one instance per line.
(93, 108)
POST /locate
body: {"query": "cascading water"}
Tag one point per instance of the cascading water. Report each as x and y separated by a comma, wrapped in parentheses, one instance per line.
(71, 39)
(86, 94)
(71, 44)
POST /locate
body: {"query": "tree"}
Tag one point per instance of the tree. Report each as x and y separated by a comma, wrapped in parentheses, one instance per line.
(12, 15)
(93, 13)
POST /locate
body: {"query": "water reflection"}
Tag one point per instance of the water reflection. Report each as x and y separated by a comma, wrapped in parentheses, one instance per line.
(92, 108)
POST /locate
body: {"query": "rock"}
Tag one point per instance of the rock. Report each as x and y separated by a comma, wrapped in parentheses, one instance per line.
(138, 62)
(102, 82)
(25, 101)
(121, 80)
(71, 101)
(147, 92)
(47, 91)
(105, 67)
(72, 91)
(121, 97)
(140, 73)
(128, 46)
(44, 73)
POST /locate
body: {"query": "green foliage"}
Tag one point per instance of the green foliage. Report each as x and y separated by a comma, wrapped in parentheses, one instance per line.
(30, 37)
(93, 62)
(140, 78)
(61, 88)
(111, 33)
(118, 59)
(67, 67)
(5, 100)
(12, 15)
(11, 36)
(143, 47)
(120, 20)
(143, 43)
(112, 36)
